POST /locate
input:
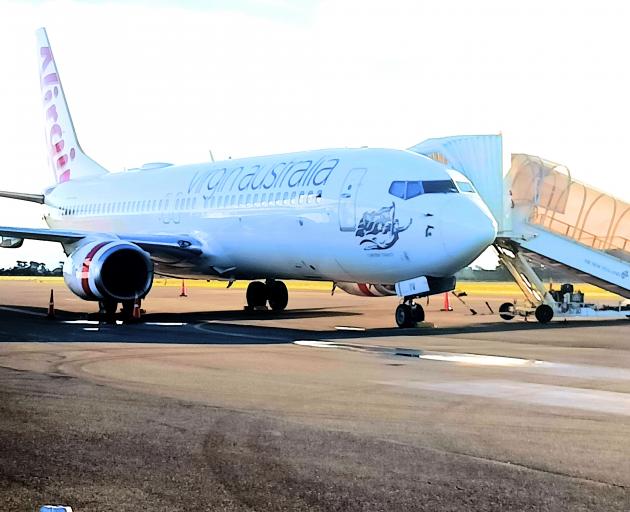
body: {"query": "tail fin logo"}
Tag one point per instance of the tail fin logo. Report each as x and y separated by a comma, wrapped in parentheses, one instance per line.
(59, 155)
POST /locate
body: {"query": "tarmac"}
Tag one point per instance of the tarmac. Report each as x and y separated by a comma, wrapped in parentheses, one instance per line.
(326, 406)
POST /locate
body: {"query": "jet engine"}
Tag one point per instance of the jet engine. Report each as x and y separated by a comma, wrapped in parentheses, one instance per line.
(367, 289)
(110, 270)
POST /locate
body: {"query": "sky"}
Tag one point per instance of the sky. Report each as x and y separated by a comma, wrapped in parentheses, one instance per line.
(169, 81)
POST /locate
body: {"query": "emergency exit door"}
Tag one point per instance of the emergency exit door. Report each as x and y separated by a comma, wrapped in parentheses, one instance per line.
(348, 200)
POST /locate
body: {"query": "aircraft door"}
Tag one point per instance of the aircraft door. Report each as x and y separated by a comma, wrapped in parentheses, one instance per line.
(348, 199)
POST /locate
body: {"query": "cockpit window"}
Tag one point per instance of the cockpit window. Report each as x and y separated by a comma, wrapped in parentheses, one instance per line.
(439, 187)
(410, 189)
(414, 189)
(398, 189)
(465, 186)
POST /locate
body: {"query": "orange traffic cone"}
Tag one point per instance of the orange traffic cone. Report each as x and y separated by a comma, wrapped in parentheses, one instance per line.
(447, 303)
(183, 294)
(136, 310)
(51, 307)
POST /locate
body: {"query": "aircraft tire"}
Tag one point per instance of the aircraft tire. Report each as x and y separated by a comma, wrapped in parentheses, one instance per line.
(404, 316)
(417, 313)
(506, 311)
(127, 311)
(278, 295)
(543, 313)
(256, 294)
(108, 310)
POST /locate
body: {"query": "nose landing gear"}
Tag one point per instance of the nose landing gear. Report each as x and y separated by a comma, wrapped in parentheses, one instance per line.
(272, 291)
(409, 314)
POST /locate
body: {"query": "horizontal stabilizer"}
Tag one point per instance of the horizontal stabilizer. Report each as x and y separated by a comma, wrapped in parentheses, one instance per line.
(33, 198)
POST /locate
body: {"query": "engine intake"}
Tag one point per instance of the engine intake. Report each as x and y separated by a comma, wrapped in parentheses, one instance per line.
(109, 270)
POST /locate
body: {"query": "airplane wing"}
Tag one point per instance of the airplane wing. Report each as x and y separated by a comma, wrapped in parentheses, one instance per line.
(165, 246)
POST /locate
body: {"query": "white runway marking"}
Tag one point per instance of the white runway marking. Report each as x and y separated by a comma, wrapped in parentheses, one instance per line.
(529, 393)
(580, 371)
(166, 324)
(477, 359)
(316, 344)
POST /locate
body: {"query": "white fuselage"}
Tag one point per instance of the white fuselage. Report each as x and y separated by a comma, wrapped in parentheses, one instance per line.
(320, 215)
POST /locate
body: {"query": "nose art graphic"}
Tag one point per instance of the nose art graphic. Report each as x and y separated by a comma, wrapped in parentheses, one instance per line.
(379, 229)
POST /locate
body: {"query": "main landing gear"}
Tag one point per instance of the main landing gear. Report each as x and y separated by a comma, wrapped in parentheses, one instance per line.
(108, 311)
(409, 314)
(273, 292)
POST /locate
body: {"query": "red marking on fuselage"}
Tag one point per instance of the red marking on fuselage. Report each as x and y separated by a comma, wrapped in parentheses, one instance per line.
(85, 270)
(365, 290)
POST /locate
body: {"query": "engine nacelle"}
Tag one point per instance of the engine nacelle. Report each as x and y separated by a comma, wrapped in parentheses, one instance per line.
(367, 289)
(109, 270)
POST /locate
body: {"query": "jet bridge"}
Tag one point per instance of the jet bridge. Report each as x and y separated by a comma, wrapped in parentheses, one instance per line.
(545, 217)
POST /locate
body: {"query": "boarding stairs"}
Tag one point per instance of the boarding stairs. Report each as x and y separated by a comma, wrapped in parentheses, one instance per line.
(544, 216)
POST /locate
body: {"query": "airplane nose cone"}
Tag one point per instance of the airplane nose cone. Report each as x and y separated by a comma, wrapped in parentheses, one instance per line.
(468, 228)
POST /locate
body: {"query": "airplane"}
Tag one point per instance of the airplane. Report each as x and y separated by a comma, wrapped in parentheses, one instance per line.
(374, 221)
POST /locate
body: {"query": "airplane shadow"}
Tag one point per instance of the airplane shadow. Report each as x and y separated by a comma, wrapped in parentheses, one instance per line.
(215, 327)
(201, 316)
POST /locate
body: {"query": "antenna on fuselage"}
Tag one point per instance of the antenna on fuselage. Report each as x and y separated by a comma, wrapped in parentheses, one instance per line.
(211, 155)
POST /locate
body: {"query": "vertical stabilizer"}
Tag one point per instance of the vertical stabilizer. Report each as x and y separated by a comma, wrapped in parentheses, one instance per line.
(67, 159)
